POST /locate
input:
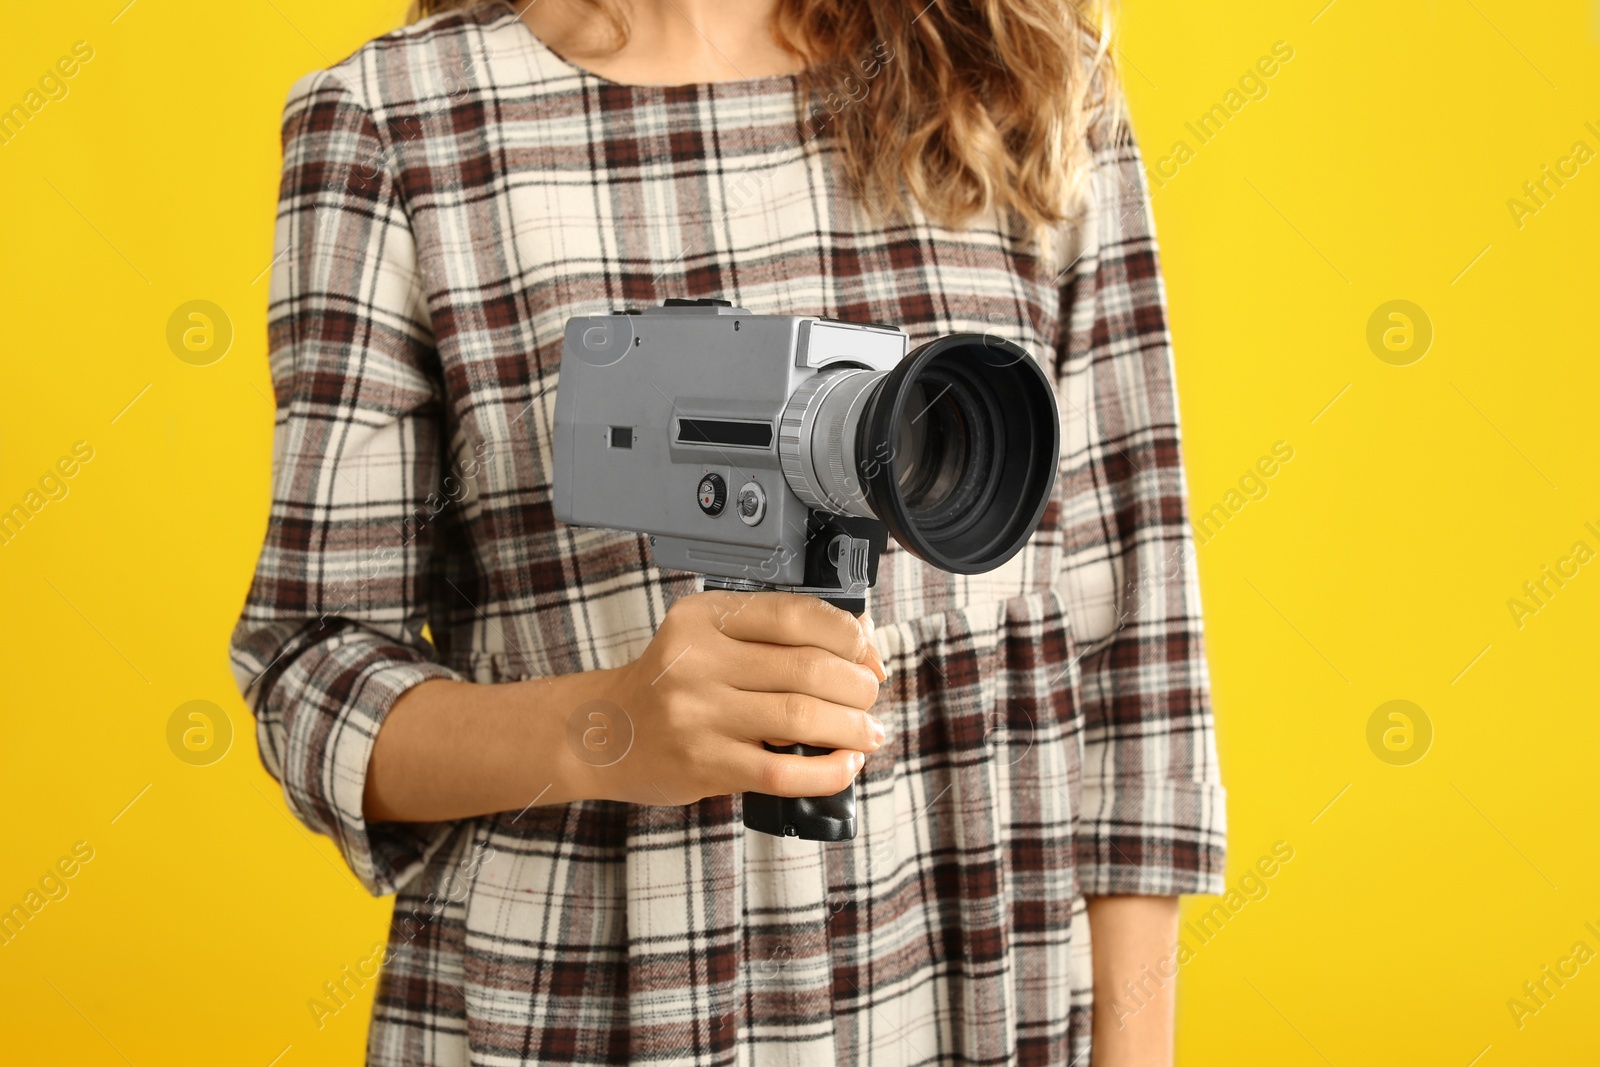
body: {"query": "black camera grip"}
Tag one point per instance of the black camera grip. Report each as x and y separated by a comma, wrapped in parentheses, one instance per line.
(808, 818)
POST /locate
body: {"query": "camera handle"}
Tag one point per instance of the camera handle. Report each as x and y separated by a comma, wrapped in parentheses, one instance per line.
(808, 818)
(848, 553)
(830, 818)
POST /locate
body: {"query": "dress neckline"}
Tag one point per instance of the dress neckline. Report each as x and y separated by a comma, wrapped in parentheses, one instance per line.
(788, 82)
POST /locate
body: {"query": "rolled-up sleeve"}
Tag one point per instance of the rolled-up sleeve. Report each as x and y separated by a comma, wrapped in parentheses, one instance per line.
(331, 634)
(1152, 818)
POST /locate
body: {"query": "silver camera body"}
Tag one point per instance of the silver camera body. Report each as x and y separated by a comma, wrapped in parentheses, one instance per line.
(696, 422)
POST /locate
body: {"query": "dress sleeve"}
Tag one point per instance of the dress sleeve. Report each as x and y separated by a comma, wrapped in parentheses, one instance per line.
(331, 633)
(1153, 816)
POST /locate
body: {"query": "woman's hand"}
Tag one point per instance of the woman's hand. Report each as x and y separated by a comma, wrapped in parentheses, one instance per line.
(729, 670)
(725, 672)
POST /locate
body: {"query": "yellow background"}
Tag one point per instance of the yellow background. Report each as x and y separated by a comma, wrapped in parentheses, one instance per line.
(1378, 567)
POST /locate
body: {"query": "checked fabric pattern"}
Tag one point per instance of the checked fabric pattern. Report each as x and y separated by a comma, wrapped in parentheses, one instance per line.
(451, 194)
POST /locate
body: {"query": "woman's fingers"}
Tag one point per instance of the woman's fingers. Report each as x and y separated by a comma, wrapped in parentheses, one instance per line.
(781, 775)
(760, 668)
(807, 720)
(791, 619)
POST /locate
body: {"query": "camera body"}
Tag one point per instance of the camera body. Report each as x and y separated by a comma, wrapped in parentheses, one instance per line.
(669, 421)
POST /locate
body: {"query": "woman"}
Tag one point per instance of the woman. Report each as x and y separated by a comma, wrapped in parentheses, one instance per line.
(1039, 765)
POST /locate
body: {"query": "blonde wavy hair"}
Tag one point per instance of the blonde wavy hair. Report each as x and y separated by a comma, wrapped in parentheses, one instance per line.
(965, 105)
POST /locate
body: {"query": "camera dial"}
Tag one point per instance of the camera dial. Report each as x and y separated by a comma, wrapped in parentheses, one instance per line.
(713, 494)
(752, 503)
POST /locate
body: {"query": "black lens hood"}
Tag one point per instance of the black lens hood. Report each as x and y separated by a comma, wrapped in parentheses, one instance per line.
(1026, 447)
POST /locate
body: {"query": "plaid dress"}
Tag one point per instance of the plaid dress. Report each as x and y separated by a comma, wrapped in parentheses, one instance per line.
(451, 194)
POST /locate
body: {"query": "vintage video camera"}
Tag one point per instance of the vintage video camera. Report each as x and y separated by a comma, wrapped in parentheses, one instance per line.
(777, 452)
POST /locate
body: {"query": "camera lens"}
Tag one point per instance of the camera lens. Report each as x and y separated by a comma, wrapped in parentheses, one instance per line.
(975, 436)
(939, 451)
(954, 449)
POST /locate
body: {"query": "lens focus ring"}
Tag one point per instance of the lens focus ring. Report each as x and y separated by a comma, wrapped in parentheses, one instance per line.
(794, 440)
(819, 424)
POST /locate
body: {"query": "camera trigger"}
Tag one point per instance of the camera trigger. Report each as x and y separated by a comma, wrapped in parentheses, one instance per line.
(850, 557)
